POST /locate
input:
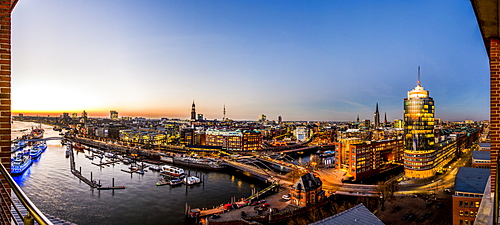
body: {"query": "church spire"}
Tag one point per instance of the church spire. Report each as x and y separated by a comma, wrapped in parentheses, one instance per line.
(193, 111)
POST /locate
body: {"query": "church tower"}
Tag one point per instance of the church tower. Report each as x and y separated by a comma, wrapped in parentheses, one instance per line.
(193, 112)
(376, 118)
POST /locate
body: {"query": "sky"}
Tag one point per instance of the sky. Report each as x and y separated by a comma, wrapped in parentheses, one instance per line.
(301, 60)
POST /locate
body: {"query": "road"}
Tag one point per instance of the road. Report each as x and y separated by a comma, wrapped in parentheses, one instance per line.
(332, 181)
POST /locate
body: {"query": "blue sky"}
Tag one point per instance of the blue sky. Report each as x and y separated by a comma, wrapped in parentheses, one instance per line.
(303, 60)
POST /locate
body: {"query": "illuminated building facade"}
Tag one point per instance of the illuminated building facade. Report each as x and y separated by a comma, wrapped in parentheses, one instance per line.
(234, 140)
(308, 190)
(362, 159)
(113, 115)
(419, 153)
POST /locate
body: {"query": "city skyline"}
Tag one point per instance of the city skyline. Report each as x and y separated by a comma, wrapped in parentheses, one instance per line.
(321, 61)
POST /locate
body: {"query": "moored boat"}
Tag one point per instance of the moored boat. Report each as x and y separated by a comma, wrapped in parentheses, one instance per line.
(37, 133)
(172, 171)
(191, 180)
(20, 163)
(42, 145)
(78, 146)
(35, 152)
(201, 163)
(175, 182)
(68, 149)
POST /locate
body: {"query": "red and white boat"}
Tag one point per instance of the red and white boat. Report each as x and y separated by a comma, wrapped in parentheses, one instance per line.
(172, 171)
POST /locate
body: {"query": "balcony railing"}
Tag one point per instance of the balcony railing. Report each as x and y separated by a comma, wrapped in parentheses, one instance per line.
(8, 194)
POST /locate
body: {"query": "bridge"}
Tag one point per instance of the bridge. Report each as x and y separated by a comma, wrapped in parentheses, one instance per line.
(41, 139)
(253, 171)
(299, 149)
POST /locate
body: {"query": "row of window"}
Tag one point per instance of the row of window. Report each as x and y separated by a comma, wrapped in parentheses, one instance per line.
(467, 213)
(469, 195)
(468, 204)
(483, 167)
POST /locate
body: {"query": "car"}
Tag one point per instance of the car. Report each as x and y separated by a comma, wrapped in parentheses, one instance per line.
(447, 190)
(266, 205)
(286, 197)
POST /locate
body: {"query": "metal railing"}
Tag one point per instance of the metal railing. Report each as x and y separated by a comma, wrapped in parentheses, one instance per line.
(7, 201)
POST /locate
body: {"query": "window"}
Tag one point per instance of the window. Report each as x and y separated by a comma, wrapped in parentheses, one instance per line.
(461, 222)
(466, 204)
(461, 213)
(461, 204)
(466, 213)
(477, 204)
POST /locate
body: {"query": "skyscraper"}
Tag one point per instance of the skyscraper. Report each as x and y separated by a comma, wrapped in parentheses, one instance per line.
(419, 153)
(193, 111)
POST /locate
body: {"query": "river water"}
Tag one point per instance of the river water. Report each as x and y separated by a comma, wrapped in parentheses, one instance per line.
(52, 187)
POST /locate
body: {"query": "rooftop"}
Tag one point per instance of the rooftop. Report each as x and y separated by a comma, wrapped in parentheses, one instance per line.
(482, 155)
(485, 145)
(358, 214)
(471, 180)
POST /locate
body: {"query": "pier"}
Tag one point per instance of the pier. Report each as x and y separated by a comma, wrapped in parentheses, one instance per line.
(220, 209)
(107, 163)
(78, 174)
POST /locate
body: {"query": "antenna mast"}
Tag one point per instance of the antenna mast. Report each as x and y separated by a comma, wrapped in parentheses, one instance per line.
(418, 81)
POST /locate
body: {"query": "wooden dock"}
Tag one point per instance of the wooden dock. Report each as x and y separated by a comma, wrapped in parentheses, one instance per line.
(78, 174)
(107, 163)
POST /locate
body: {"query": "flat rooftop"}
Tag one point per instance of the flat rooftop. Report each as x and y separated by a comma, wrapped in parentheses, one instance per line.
(471, 180)
(481, 155)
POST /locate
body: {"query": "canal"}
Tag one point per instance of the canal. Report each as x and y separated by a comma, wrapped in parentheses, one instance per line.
(52, 187)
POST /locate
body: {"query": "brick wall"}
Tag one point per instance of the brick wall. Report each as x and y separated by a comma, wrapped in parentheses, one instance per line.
(6, 7)
(494, 105)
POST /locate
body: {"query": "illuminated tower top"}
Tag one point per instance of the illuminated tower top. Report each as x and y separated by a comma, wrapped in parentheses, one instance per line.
(418, 91)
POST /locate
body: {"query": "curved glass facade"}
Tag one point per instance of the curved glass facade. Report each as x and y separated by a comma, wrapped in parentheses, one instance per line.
(419, 134)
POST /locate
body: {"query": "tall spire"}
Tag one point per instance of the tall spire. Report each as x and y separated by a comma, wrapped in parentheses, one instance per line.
(376, 117)
(193, 112)
(418, 81)
(224, 117)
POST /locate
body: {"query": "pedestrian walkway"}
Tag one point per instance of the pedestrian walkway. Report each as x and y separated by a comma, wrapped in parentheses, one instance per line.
(23, 211)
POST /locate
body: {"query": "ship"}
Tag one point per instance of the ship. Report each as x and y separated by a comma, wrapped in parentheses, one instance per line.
(20, 163)
(37, 133)
(200, 163)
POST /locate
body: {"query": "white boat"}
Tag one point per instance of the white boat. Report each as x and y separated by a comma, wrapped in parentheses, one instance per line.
(172, 171)
(42, 145)
(20, 163)
(35, 152)
(191, 180)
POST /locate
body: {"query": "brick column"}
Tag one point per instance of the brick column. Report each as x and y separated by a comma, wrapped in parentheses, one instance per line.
(5, 58)
(494, 105)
